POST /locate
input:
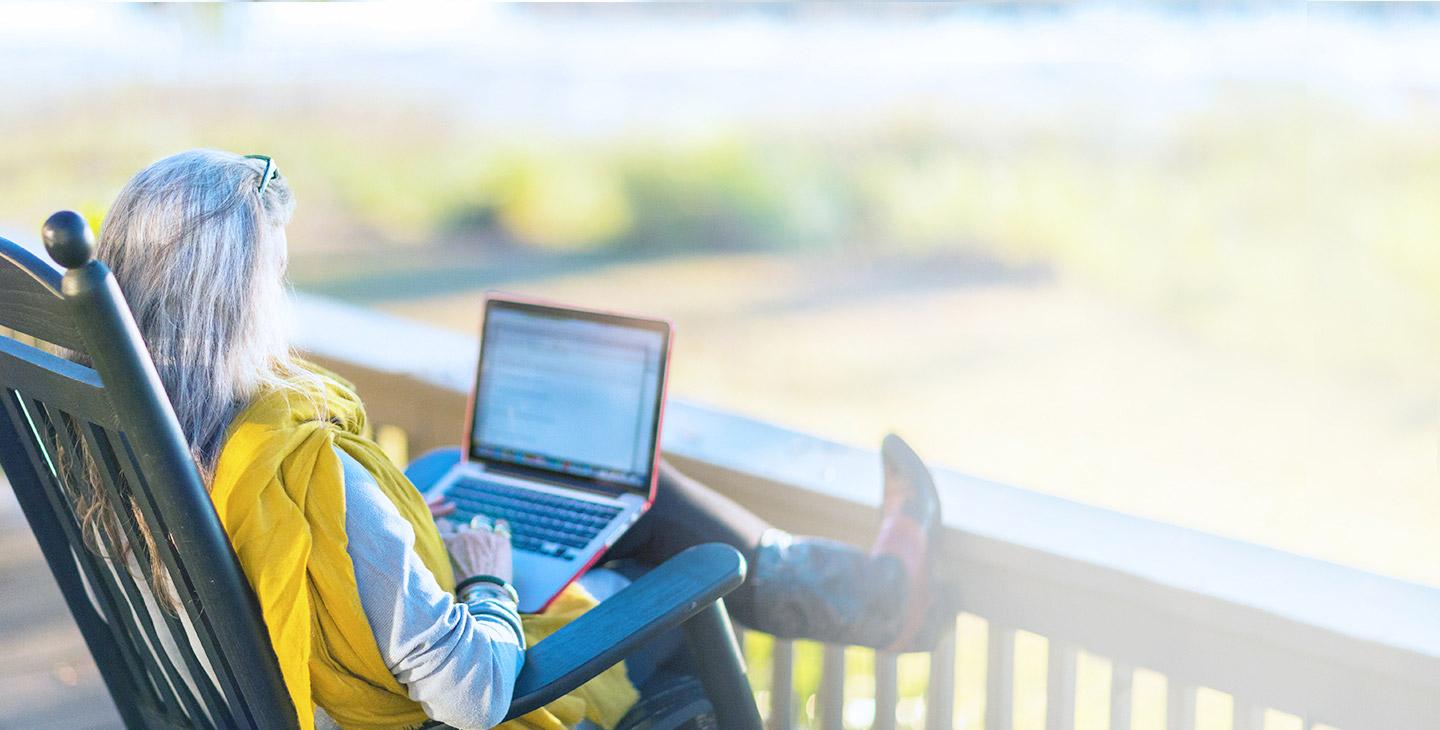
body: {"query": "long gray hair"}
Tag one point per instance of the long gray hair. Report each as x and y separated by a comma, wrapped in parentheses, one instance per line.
(199, 252)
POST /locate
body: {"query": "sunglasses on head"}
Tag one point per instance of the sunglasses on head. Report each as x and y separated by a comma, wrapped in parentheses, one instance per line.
(271, 172)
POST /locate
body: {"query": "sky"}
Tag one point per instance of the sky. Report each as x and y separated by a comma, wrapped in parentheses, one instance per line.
(590, 70)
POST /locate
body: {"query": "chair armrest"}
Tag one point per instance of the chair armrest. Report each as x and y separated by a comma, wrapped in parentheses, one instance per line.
(662, 599)
(424, 471)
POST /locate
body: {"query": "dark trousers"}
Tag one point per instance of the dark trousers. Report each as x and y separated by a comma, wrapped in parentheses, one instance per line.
(687, 513)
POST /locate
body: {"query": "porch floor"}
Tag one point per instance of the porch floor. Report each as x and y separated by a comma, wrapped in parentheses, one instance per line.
(47, 678)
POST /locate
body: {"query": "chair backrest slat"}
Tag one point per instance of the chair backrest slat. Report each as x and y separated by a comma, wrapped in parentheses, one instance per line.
(223, 670)
(69, 385)
(58, 439)
(29, 294)
(127, 606)
(99, 443)
(100, 430)
(36, 422)
(17, 452)
(115, 492)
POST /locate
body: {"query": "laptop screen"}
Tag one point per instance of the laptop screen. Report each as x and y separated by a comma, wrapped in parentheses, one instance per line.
(573, 394)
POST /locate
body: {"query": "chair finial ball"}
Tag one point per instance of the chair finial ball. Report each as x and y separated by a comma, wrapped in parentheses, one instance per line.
(68, 239)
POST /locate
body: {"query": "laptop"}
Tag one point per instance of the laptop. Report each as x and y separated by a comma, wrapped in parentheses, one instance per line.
(562, 435)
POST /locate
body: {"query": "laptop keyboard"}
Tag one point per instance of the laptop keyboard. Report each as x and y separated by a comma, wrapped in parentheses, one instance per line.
(539, 523)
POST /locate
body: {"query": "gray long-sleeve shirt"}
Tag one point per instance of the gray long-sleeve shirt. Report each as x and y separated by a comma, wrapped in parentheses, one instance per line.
(458, 660)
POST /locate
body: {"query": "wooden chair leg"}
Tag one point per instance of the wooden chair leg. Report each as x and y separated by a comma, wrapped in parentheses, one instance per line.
(721, 668)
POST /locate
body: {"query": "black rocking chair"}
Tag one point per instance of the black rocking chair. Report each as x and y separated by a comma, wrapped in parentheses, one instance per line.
(212, 666)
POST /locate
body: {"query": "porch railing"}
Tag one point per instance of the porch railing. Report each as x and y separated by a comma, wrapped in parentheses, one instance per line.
(1073, 616)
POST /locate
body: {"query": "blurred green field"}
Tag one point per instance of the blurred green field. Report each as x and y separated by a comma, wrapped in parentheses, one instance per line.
(1270, 219)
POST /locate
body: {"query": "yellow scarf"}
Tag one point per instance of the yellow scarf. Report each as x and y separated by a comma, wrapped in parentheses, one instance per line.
(280, 494)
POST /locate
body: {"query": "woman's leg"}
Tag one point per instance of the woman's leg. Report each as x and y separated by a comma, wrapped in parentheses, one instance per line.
(807, 587)
(687, 513)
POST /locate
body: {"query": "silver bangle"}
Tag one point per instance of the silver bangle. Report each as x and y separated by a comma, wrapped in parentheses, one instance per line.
(491, 591)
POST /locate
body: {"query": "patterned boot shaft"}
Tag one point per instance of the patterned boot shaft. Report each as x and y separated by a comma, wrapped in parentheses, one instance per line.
(824, 590)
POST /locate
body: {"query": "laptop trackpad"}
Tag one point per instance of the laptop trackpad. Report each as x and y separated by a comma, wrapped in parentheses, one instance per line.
(539, 577)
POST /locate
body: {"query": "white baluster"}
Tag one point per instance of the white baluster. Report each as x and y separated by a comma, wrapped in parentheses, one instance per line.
(782, 685)
(1248, 717)
(1122, 678)
(1000, 679)
(887, 690)
(832, 688)
(1060, 686)
(1179, 705)
(940, 694)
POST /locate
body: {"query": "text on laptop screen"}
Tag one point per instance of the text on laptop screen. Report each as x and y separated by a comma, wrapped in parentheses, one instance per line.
(569, 395)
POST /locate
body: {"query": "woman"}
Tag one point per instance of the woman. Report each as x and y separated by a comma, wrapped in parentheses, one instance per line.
(378, 619)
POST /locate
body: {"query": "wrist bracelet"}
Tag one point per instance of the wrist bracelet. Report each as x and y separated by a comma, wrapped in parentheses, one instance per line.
(472, 580)
(483, 592)
(490, 579)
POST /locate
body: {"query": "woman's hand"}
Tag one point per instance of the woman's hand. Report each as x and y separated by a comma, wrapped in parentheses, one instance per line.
(479, 549)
